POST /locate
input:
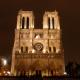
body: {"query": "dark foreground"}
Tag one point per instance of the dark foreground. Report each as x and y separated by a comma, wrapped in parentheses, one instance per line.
(39, 78)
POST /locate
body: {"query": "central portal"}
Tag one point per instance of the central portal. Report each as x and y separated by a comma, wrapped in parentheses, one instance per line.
(38, 72)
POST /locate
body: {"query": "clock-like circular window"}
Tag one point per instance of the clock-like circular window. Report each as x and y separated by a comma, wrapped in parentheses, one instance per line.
(38, 46)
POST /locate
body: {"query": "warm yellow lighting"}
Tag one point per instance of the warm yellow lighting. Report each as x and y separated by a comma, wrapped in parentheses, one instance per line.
(38, 36)
(4, 61)
(57, 50)
(4, 72)
(51, 36)
(0, 74)
(19, 50)
(33, 51)
(8, 72)
(65, 73)
(44, 51)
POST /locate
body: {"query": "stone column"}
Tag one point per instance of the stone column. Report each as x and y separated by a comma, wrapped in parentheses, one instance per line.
(51, 25)
(56, 22)
(18, 21)
(45, 22)
(25, 22)
(33, 22)
(30, 22)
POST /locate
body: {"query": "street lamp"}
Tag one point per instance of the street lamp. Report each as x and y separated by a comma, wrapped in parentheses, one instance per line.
(4, 62)
(5, 70)
(65, 73)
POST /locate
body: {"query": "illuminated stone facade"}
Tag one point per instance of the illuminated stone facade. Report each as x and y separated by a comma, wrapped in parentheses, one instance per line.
(37, 51)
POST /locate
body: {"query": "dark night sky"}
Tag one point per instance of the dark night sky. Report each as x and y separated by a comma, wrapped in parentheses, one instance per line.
(69, 11)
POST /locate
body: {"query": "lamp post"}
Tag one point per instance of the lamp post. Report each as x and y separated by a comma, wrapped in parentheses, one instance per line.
(4, 66)
(4, 62)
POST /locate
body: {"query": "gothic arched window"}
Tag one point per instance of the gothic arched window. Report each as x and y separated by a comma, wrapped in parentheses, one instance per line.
(26, 49)
(54, 49)
(53, 22)
(49, 49)
(23, 21)
(27, 23)
(48, 22)
(21, 49)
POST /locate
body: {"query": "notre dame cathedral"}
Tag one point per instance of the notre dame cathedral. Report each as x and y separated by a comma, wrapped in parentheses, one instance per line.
(37, 51)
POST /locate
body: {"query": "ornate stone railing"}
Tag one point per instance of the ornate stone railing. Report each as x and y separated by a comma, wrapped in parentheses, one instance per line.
(39, 55)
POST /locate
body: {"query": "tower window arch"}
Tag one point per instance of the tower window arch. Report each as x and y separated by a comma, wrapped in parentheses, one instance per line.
(49, 22)
(26, 49)
(23, 21)
(21, 49)
(27, 26)
(54, 49)
(53, 22)
(49, 49)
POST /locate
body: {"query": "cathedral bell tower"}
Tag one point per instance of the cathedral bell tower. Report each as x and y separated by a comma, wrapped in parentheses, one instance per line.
(37, 51)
